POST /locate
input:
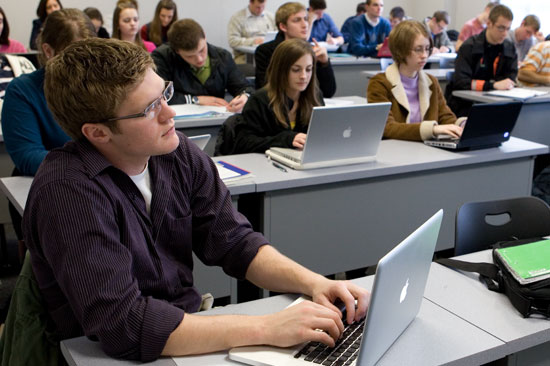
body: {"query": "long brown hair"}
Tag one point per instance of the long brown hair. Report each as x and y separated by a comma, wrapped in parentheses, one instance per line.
(155, 30)
(4, 36)
(285, 55)
(41, 9)
(120, 6)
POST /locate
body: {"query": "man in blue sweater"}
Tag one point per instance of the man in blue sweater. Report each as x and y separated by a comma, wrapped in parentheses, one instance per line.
(369, 31)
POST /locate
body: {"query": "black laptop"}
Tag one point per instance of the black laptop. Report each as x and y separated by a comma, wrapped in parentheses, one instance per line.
(488, 125)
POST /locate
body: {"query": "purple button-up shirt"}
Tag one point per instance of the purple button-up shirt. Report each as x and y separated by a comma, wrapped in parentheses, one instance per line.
(111, 271)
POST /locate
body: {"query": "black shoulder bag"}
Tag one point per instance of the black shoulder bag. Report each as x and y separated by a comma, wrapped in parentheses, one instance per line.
(528, 299)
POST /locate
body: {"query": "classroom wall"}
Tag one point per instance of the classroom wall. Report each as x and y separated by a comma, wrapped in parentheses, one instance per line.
(214, 15)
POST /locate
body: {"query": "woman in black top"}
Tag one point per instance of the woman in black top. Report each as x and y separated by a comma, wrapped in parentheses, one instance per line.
(278, 114)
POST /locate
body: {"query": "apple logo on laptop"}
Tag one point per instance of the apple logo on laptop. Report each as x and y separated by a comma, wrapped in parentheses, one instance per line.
(347, 133)
(404, 292)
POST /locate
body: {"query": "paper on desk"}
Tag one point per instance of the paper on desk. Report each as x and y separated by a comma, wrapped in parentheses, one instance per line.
(337, 102)
(212, 359)
(329, 47)
(193, 110)
(517, 93)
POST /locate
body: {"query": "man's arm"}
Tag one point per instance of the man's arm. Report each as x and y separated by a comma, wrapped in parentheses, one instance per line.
(270, 269)
(529, 75)
(262, 56)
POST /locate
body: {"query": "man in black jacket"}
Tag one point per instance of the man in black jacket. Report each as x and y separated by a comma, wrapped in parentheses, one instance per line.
(486, 61)
(201, 72)
(291, 19)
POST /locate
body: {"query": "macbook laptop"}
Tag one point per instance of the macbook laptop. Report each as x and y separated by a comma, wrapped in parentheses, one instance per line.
(488, 125)
(396, 297)
(270, 36)
(200, 140)
(338, 135)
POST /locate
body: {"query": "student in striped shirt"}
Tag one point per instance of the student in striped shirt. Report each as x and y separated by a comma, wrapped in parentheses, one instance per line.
(535, 69)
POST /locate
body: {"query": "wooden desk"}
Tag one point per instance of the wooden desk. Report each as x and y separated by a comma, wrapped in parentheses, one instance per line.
(532, 124)
(436, 337)
(363, 210)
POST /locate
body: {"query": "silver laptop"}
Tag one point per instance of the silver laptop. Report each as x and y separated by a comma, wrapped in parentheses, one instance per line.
(338, 135)
(200, 140)
(396, 297)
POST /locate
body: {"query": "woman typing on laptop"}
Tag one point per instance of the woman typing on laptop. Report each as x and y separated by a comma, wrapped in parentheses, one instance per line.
(278, 114)
(419, 111)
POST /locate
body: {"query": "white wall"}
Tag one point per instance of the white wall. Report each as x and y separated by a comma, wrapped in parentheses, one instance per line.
(214, 15)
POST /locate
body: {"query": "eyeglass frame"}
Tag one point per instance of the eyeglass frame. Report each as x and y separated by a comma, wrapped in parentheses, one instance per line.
(428, 49)
(169, 86)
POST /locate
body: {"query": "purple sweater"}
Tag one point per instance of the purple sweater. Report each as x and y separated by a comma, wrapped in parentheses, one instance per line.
(109, 270)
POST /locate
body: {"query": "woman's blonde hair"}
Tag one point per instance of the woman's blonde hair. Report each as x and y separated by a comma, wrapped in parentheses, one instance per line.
(285, 55)
(120, 6)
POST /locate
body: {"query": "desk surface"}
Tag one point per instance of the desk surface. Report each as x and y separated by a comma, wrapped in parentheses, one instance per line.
(394, 157)
(482, 97)
(435, 337)
(440, 74)
(469, 299)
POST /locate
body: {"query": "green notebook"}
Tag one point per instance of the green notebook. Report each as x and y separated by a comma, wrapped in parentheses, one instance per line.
(528, 262)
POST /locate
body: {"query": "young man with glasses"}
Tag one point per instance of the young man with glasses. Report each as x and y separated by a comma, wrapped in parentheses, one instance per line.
(113, 218)
(437, 27)
(486, 61)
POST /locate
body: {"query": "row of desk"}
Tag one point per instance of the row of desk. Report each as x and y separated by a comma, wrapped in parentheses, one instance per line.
(338, 219)
(460, 323)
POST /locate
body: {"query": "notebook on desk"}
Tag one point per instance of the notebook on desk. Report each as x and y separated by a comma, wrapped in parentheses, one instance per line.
(488, 125)
(337, 135)
(396, 297)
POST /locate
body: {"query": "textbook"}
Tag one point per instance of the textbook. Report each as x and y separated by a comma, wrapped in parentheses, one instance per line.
(517, 93)
(231, 173)
(528, 263)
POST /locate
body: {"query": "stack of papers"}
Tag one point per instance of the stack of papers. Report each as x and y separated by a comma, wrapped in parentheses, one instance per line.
(198, 111)
(517, 93)
(231, 173)
(528, 263)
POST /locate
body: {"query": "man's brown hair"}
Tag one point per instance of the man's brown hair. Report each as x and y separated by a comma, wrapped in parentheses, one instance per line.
(286, 10)
(90, 79)
(500, 11)
(402, 39)
(61, 28)
(185, 35)
(532, 21)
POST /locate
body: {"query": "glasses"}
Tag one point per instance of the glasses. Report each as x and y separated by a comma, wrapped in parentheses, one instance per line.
(420, 50)
(152, 109)
(502, 28)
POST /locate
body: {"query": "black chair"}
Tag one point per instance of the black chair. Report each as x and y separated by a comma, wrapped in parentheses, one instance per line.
(481, 224)
(225, 142)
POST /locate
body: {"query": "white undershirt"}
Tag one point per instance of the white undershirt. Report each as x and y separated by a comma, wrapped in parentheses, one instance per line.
(143, 183)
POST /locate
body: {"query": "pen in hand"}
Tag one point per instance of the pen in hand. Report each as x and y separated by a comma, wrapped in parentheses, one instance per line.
(279, 166)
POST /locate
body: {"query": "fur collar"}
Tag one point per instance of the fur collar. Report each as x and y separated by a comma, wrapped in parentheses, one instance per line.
(398, 91)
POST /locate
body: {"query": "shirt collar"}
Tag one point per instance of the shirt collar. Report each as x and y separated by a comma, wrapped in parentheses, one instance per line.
(249, 13)
(374, 24)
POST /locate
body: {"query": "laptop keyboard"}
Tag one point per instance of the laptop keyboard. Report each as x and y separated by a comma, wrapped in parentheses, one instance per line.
(343, 353)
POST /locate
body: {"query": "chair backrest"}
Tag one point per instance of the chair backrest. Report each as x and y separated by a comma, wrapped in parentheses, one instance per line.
(481, 224)
(385, 62)
(225, 142)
